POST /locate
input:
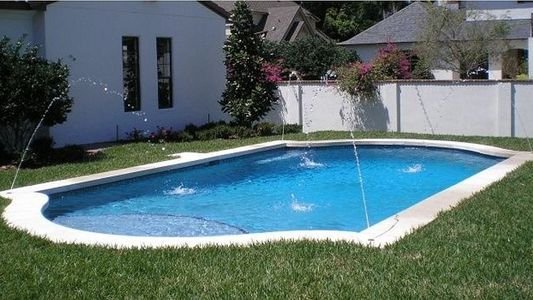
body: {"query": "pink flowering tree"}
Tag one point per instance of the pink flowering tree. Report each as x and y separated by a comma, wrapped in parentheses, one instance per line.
(357, 79)
(391, 63)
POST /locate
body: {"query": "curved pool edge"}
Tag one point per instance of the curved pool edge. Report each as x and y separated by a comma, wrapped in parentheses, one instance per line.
(27, 203)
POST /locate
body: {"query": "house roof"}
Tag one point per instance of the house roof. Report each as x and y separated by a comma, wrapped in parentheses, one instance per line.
(24, 5)
(255, 6)
(278, 18)
(405, 27)
(279, 22)
(215, 8)
(402, 27)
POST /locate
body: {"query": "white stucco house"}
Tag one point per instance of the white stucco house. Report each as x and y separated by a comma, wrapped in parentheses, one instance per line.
(403, 28)
(138, 64)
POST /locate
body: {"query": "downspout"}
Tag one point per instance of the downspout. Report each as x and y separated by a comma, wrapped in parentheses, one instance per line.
(530, 50)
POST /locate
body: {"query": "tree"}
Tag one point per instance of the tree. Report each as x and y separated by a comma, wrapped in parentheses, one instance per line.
(29, 86)
(451, 43)
(248, 95)
(341, 20)
(318, 57)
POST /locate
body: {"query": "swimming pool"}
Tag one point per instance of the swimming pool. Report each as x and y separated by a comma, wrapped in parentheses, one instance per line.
(265, 192)
(309, 188)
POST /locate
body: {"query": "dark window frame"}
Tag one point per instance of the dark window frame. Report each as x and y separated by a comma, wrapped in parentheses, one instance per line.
(164, 81)
(130, 67)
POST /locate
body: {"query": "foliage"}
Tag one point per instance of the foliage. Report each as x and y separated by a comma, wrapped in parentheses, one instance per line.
(312, 57)
(342, 20)
(450, 43)
(29, 84)
(391, 63)
(248, 95)
(350, 19)
(211, 131)
(359, 79)
(421, 70)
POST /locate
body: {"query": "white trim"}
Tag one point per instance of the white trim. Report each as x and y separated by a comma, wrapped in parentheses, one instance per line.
(25, 210)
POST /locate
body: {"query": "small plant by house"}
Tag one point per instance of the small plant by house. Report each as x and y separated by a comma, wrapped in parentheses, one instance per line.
(29, 86)
(211, 131)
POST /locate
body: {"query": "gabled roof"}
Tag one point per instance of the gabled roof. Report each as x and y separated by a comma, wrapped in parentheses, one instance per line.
(518, 28)
(255, 6)
(215, 8)
(405, 27)
(278, 21)
(402, 27)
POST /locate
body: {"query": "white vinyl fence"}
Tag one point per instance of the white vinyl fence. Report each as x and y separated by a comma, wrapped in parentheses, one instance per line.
(487, 108)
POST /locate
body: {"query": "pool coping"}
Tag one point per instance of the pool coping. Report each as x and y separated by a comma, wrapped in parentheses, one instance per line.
(27, 203)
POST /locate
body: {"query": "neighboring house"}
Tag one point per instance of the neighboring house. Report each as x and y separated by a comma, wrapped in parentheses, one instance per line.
(403, 28)
(138, 64)
(278, 21)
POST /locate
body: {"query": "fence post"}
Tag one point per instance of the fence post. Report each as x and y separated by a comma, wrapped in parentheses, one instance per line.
(505, 109)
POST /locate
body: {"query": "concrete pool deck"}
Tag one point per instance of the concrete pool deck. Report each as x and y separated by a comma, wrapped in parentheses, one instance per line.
(27, 203)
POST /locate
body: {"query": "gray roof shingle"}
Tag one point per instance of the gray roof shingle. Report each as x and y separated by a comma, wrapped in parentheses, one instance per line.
(402, 27)
(279, 22)
(405, 27)
(257, 6)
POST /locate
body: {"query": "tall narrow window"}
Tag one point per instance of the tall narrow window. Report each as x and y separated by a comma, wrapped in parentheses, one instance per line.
(164, 72)
(130, 73)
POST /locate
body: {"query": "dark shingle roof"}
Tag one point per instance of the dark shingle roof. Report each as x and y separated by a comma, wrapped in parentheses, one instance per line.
(257, 6)
(518, 28)
(401, 27)
(405, 27)
(279, 22)
(278, 18)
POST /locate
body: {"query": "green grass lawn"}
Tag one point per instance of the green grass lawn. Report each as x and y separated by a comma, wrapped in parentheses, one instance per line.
(483, 248)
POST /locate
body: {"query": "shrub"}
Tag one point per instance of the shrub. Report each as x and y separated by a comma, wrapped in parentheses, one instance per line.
(290, 128)
(421, 70)
(264, 129)
(212, 130)
(70, 153)
(358, 81)
(30, 86)
(161, 135)
(391, 63)
(136, 135)
(312, 57)
(42, 149)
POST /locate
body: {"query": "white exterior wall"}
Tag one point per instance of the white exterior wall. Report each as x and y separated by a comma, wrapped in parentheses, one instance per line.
(530, 57)
(92, 32)
(522, 110)
(16, 23)
(486, 108)
(495, 68)
(444, 108)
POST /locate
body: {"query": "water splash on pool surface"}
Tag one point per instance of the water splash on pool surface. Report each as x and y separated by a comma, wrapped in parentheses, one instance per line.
(309, 163)
(416, 168)
(280, 158)
(300, 206)
(180, 191)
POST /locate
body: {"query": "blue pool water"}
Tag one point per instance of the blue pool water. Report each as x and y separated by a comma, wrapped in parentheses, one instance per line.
(275, 190)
